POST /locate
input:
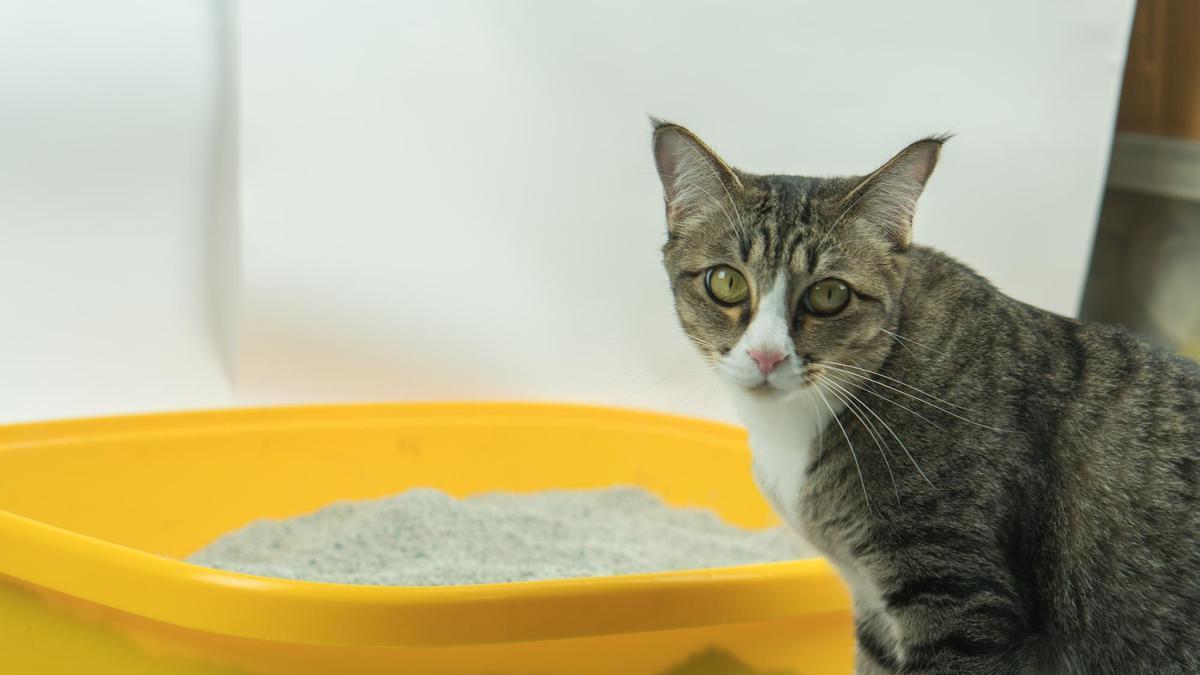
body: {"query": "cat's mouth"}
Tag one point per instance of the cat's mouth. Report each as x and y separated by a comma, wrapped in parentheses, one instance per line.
(768, 389)
(764, 387)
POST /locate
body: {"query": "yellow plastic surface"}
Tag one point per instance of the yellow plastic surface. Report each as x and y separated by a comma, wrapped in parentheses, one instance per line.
(95, 514)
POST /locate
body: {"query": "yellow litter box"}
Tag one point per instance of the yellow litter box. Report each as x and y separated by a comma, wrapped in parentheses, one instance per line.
(96, 514)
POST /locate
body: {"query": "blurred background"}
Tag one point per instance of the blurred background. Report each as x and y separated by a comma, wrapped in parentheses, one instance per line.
(206, 203)
(1145, 267)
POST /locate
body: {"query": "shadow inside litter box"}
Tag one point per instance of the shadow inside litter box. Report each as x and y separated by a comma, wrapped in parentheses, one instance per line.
(715, 661)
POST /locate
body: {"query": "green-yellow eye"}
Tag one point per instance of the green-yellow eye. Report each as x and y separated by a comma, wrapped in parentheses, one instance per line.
(726, 285)
(827, 297)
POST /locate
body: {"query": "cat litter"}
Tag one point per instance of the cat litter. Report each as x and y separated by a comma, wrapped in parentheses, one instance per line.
(424, 537)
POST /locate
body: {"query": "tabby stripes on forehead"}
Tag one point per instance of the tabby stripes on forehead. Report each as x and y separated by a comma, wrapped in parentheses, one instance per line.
(783, 218)
(768, 239)
(797, 234)
(800, 225)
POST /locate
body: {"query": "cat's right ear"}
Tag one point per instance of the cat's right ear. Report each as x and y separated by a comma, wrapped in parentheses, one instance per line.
(696, 182)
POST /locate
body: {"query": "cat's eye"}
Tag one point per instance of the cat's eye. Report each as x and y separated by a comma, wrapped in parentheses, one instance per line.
(827, 297)
(726, 285)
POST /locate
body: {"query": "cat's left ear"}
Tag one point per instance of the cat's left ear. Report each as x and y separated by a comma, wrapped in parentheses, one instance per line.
(888, 196)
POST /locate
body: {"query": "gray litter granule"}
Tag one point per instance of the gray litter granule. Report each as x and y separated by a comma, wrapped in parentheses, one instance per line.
(424, 537)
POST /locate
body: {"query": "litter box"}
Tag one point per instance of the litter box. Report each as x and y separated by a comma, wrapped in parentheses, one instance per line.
(96, 514)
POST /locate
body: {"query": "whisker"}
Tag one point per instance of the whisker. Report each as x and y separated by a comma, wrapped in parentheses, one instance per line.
(890, 430)
(820, 432)
(907, 339)
(897, 339)
(858, 384)
(854, 455)
(708, 351)
(899, 382)
(874, 436)
(904, 393)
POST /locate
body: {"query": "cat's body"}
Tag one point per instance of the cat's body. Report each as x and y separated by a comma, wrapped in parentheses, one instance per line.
(1002, 488)
(1079, 529)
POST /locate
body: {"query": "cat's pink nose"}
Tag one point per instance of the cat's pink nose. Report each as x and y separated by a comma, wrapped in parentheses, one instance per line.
(766, 360)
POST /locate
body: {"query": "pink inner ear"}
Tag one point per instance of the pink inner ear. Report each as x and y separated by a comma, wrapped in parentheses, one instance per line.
(667, 159)
(667, 155)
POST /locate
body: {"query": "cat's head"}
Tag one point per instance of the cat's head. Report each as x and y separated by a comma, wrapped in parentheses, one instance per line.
(775, 275)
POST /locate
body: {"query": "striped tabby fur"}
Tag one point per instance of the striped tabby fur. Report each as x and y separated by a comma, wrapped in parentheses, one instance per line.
(1004, 489)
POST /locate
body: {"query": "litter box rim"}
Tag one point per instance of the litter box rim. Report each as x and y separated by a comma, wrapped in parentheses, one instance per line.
(142, 585)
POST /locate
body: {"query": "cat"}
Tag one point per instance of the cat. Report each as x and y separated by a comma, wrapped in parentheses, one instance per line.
(1003, 489)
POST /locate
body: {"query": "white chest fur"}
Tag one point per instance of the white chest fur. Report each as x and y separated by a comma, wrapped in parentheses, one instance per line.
(782, 438)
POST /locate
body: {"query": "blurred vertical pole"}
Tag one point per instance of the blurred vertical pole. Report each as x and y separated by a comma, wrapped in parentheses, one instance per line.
(1161, 93)
(1145, 265)
(1142, 91)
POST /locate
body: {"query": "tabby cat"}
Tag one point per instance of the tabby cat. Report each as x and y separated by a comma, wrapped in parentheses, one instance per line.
(1003, 489)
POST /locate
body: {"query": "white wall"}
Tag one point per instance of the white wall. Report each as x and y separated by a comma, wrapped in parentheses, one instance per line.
(107, 119)
(456, 200)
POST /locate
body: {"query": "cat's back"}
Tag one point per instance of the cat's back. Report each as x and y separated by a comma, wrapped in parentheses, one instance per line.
(1133, 390)
(1109, 432)
(1091, 363)
(1126, 515)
